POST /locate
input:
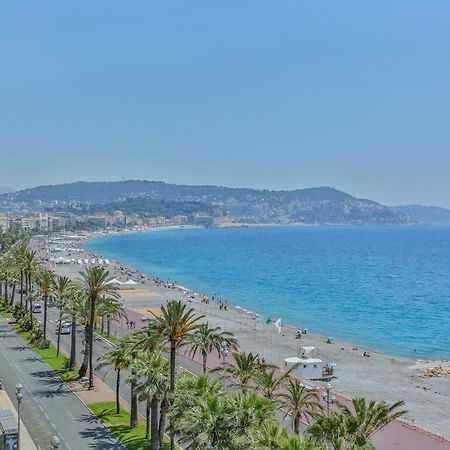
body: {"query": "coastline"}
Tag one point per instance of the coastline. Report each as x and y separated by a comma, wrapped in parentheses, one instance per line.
(382, 376)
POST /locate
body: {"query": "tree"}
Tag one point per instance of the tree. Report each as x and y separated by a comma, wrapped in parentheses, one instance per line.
(63, 288)
(345, 429)
(151, 377)
(95, 283)
(269, 383)
(299, 401)
(76, 308)
(118, 359)
(205, 340)
(244, 368)
(174, 325)
(45, 279)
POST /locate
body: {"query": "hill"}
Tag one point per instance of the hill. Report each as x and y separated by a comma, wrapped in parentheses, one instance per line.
(322, 205)
(433, 215)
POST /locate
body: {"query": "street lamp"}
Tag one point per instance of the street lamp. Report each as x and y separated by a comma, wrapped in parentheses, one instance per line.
(19, 399)
(327, 398)
(54, 442)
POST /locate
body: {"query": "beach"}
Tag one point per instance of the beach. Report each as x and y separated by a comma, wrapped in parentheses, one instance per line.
(378, 377)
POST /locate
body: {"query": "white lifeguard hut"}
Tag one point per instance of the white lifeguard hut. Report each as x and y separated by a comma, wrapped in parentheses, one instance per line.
(308, 365)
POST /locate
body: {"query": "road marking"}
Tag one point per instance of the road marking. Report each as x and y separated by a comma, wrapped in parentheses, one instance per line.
(70, 415)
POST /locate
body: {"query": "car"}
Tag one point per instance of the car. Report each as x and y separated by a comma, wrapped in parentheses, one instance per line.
(37, 308)
(65, 328)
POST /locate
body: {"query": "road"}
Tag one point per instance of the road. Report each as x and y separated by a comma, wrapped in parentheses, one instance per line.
(48, 407)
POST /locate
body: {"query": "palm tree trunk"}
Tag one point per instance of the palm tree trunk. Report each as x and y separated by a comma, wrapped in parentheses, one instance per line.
(133, 406)
(45, 318)
(83, 369)
(172, 388)
(13, 293)
(204, 357)
(73, 344)
(58, 341)
(5, 297)
(108, 327)
(21, 288)
(154, 443)
(147, 419)
(296, 420)
(91, 344)
(162, 422)
(118, 392)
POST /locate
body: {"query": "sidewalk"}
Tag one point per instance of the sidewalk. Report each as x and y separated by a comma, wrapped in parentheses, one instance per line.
(25, 440)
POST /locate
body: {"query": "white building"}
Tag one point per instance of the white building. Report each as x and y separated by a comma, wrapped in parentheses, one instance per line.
(4, 221)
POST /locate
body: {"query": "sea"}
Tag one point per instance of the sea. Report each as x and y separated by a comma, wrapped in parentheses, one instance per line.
(386, 287)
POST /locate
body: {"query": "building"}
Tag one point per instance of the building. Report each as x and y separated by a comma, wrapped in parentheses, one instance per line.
(4, 221)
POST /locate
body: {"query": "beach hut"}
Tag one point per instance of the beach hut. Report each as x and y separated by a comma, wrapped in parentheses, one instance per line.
(129, 284)
(307, 366)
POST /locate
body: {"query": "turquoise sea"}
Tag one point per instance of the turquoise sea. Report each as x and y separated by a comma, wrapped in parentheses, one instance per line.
(387, 288)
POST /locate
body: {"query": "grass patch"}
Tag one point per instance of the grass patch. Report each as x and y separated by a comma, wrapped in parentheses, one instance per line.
(5, 313)
(58, 363)
(118, 424)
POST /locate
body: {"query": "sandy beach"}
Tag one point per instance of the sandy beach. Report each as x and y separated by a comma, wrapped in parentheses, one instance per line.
(424, 385)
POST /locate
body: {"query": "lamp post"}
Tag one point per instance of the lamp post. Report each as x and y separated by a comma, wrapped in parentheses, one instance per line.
(54, 442)
(224, 352)
(19, 399)
(328, 398)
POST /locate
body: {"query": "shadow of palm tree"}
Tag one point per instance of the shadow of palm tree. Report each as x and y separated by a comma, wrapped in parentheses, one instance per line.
(51, 393)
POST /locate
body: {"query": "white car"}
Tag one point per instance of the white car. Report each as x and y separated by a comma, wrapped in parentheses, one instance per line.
(65, 328)
(37, 308)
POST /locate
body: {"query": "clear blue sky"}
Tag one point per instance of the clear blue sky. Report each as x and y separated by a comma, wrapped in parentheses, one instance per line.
(274, 94)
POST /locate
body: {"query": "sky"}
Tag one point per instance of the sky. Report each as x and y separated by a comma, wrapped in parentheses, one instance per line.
(242, 93)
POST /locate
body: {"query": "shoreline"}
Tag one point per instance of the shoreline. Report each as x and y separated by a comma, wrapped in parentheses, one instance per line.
(381, 376)
(230, 303)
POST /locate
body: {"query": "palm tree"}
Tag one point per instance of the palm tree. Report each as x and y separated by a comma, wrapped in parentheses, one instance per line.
(205, 340)
(95, 283)
(45, 279)
(294, 442)
(30, 266)
(76, 308)
(347, 429)
(243, 369)
(207, 425)
(299, 401)
(118, 358)
(19, 256)
(62, 289)
(174, 325)
(151, 376)
(109, 309)
(269, 384)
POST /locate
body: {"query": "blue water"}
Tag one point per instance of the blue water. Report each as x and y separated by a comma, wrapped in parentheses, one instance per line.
(384, 287)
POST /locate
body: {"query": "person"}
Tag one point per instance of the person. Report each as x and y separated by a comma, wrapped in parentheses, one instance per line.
(298, 335)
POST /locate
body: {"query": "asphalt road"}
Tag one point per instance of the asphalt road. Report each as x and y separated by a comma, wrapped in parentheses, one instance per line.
(48, 407)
